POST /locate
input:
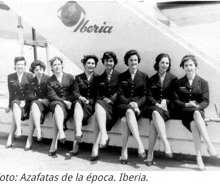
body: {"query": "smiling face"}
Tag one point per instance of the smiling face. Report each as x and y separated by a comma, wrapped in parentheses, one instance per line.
(189, 67)
(20, 66)
(163, 65)
(38, 71)
(57, 67)
(109, 64)
(90, 65)
(133, 62)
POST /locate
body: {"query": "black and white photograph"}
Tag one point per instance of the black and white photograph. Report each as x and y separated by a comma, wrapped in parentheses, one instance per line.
(109, 91)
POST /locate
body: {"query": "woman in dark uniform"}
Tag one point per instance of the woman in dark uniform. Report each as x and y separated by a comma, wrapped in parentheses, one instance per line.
(132, 96)
(60, 94)
(161, 89)
(85, 93)
(18, 86)
(37, 98)
(105, 108)
(192, 97)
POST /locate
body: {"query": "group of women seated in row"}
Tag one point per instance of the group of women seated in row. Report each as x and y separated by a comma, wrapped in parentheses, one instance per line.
(129, 96)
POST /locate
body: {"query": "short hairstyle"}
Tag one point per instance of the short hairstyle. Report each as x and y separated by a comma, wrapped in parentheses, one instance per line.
(19, 58)
(87, 57)
(131, 53)
(158, 59)
(188, 57)
(54, 59)
(108, 55)
(36, 63)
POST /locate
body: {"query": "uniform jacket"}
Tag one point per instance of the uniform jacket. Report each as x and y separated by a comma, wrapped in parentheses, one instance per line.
(133, 91)
(18, 90)
(159, 92)
(61, 91)
(85, 88)
(38, 91)
(108, 89)
(199, 91)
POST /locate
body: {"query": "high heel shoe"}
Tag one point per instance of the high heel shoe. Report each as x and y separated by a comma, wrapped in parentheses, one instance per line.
(202, 169)
(123, 161)
(168, 155)
(39, 139)
(79, 138)
(18, 135)
(94, 158)
(53, 153)
(63, 140)
(106, 143)
(149, 163)
(28, 148)
(142, 155)
(8, 146)
(215, 156)
(72, 153)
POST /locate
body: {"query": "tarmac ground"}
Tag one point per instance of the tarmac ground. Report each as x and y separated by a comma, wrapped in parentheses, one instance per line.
(37, 159)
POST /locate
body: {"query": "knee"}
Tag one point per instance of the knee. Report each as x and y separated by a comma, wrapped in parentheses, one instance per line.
(97, 106)
(99, 109)
(34, 107)
(15, 106)
(57, 108)
(196, 114)
(77, 106)
(155, 114)
(129, 112)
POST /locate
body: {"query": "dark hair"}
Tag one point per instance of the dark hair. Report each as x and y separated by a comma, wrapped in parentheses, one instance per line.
(188, 57)
(19, 58)
(158, 59)
(87, 57)
(131, 53)
(108, 55)
(36, 63)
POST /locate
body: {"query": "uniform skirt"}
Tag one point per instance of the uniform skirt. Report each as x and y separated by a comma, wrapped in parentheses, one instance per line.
(24, 110)
(111, 113)
(148, 112)
(44, 109)
(88, 110)
(186, 115)
(122, 108)
(67, 112)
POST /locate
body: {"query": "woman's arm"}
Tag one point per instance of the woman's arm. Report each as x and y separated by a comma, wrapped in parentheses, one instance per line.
(146, 91)
(11, 92)
(205, 95)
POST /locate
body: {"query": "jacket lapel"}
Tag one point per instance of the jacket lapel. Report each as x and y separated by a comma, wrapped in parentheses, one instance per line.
(24, 79)
(196, 81)
(15, 79)
(186, 82)
(63, 78)
(166, 81)
(34, 81)
(128, 77)
(114, 76)
(156, 81)
(43, 79)
(104, 77)
(84, 78)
